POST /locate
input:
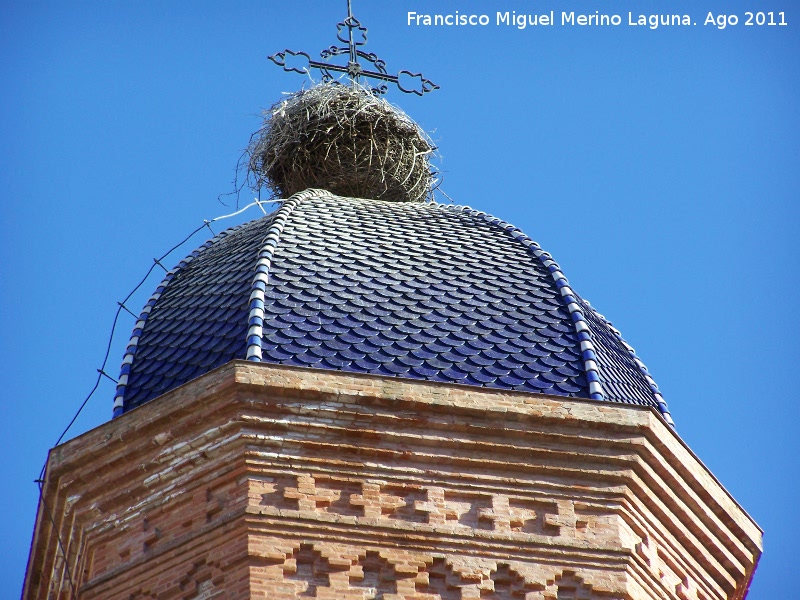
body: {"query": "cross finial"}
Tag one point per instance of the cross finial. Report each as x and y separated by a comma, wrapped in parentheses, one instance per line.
(354, 37)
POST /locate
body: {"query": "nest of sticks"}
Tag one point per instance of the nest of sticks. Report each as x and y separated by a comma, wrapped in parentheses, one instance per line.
(343, 139)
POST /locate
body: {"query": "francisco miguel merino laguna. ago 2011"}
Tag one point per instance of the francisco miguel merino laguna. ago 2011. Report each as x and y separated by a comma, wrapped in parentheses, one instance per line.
(596, 19)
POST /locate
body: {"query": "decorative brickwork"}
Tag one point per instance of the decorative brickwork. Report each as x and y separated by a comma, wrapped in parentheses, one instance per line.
(257, 481)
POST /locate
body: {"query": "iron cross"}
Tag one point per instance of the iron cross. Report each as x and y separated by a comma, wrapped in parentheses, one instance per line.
(351, 32)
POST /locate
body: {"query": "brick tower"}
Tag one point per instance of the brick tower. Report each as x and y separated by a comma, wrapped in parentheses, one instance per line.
(369, 395)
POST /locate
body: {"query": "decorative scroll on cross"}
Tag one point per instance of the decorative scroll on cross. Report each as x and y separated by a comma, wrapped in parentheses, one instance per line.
(352, 33)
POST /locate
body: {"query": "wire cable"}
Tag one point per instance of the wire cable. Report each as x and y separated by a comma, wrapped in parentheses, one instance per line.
(121, 305)
(102, 373)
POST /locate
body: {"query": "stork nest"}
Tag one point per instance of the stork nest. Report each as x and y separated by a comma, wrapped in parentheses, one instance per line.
(343, 139)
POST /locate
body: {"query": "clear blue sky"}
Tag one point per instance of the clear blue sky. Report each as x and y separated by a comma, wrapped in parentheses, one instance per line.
(661, 168)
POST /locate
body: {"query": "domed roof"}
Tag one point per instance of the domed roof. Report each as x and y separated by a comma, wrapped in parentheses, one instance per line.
(417, 290)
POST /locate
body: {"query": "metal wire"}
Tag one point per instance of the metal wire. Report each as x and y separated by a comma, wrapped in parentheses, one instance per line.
(102, 373)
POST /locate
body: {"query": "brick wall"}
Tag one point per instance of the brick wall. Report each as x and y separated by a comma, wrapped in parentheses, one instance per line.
(258, 481)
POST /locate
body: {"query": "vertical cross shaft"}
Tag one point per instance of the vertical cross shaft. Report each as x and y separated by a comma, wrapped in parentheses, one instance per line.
(353, 54)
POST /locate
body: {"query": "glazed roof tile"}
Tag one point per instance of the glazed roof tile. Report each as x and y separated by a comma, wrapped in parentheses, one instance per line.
(415, 290)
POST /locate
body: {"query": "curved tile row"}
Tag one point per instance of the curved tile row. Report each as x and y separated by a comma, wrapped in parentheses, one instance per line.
(621, 367)
(138, 328)
(569, 297)
(198, 322)
(255, 321)
(419, 295)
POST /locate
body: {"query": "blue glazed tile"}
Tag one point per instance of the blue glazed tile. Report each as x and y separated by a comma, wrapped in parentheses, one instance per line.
(571, 372)
(437, 347)
(450, 311)
(452, 357)
(495, 337)
(480, 360)
(334, 362)
(567, 388)
(438, 363)
(477, 327)
(570, 354)
(527, 387)
(335, 327)
(538, 384)
(365, 331)
(406, 328)
(552, 377)
(462, 336)
(552, 346)
(379, 325)
(524, 372)
(480, 378)
(335, 344)
(444, 329)
(549, 361)
(322, 352)
(410, 360)
(307, 326)
(394, 351)
(495, 354)
(495, 370)
(468, 367)
(349, 321)
(383, 371)
(511, 363)
(321, 335)
(352, 354)
(454, 374)
(519, 344)
(508, 348)
(479, 344)
(428, 302)
(276, 354)
(406, 343)
(307, 359)
(422, 353)
(465, 350)
(367, 363)
(380, 341)
(395, 368)
(292, 333)
(433, 317)
(276, 338)
(350, 338)
(294, 349)
(511, 381)
(372, 309)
